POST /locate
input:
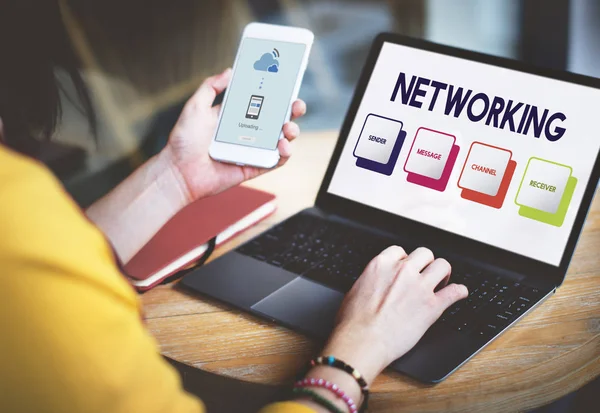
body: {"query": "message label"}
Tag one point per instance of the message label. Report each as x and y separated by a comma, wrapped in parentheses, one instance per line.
(377, 139)
(484, 168)
(429, 154)
(543, 185)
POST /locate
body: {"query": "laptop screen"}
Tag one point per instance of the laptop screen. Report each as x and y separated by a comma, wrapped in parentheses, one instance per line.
(493, 154)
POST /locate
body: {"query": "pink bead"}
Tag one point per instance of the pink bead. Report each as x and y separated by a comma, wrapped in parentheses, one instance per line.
(334, 388)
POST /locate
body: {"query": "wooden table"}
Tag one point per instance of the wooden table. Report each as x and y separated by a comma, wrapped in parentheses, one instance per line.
(552, 352)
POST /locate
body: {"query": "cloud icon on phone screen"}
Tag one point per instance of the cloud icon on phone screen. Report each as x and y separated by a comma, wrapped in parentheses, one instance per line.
(267, 63)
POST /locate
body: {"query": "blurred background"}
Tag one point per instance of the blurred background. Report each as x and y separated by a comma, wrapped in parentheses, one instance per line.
(143, 58)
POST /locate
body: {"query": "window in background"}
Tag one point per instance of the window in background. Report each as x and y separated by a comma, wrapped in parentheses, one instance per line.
(584, 37)
(143, 58)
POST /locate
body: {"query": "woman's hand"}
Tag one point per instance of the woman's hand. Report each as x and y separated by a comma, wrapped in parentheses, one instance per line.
(390, 307)
(181, 173)
(187, 149)
(384, 315)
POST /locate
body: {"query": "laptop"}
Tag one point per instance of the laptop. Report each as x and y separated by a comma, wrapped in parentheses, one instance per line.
(489, 162)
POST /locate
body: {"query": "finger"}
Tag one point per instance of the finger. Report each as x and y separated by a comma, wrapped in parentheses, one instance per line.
(298, 109)
(385, 265)
(285, 150)
(420, 258)
(291, 131)
(394, 252)
(210, 88)
(251, 172)
(437, 272)
(451, 294)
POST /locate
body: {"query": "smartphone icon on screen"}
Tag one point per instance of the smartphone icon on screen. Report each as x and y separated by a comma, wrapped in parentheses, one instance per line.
(254, 106)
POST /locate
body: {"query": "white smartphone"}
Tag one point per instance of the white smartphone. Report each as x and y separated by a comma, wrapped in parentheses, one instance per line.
(267, 74)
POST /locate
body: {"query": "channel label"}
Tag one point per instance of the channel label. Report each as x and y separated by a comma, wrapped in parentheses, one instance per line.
(379, 144)
(546, 191)
(486, 174)
(431, 159)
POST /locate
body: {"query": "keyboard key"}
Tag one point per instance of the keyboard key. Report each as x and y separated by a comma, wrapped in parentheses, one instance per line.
(499, 301)
(453, 311)
(476, 307)
(464, 327)
(487, 331)
(277, 262)
(502, 317)
(509, 314)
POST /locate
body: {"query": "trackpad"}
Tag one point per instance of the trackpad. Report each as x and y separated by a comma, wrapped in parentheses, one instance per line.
(303, 304)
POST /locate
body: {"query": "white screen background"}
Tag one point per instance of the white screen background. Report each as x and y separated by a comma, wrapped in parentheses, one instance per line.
(503, 228)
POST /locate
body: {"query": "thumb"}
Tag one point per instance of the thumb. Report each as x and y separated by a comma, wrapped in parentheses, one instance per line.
(451, 294)
(210, 88)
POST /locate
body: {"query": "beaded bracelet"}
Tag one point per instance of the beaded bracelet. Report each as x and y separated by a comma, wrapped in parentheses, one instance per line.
(317, 398)
(339, 364)
(334, 388)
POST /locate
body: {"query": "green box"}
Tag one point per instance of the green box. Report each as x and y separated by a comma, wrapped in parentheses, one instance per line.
(558, 218)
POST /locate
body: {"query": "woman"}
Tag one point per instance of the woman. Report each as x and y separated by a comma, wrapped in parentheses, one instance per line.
(72, 335)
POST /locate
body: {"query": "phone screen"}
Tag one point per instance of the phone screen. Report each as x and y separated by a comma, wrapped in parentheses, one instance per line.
(260, 92)
(254, 107)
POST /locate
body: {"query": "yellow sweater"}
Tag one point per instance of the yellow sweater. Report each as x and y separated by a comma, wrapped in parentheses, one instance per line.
(71, 333)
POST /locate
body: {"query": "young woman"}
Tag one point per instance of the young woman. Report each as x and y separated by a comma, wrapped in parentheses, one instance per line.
(72, 337)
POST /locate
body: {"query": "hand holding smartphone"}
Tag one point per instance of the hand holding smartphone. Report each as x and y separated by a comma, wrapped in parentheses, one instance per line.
(267, 74)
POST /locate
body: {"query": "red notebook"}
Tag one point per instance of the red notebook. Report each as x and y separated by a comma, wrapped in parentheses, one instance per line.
(184, 239)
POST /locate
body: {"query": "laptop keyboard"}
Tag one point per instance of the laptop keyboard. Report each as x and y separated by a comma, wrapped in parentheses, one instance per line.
(493, 302)
(331, 253)
(335, 255)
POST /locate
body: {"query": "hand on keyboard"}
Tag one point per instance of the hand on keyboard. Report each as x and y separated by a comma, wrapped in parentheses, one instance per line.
(390, 307)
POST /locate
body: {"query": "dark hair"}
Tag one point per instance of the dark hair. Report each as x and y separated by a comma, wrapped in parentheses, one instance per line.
(33, 45)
